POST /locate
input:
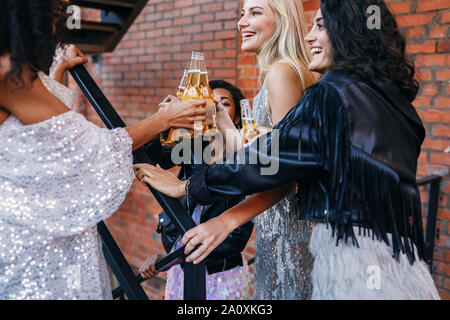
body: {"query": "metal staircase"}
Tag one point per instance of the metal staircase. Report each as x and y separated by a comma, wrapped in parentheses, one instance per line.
(116, 17)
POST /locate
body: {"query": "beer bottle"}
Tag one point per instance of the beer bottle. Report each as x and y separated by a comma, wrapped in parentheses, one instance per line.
(167, 137)
(209, 126)
(192, 91)
(183, 84)
(248, 121)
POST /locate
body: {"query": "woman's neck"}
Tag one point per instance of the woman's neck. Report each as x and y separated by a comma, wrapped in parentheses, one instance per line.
(4, 114)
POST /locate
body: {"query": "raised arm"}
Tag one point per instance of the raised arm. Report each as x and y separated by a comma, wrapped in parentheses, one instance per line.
(305, 143)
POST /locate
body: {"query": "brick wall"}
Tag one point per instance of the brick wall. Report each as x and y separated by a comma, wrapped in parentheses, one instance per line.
(149, 61)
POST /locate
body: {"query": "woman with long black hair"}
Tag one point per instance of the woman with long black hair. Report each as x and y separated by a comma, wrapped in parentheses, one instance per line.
(352, 144)
(59, 174)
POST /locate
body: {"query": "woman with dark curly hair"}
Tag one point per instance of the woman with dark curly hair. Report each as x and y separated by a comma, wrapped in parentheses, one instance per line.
(352, 144)
(229, 97)
(59, 174)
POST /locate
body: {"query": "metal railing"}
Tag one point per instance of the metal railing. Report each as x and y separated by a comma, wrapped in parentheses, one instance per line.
(195, 275)
(433, 203)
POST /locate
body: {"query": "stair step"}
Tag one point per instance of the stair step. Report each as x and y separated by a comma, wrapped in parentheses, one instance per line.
(105, 4)
(99, 26)
(91, 48)
(116, 17)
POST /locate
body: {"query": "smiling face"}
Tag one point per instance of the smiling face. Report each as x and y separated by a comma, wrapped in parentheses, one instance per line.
(226, 100)
(320, 45)
(256, 25)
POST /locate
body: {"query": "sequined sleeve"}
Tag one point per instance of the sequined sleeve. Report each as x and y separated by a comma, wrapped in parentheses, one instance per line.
(62, 176)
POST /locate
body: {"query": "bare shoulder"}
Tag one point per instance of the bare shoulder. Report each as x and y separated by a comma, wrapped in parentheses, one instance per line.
(282, 73)
(283, 80)
(284, 90)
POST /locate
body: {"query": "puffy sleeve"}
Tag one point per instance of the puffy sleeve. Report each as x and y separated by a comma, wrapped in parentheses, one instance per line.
(62, 176)
(305, 143)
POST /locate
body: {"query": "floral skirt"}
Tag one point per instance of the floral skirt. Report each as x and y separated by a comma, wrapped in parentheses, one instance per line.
(233, 284)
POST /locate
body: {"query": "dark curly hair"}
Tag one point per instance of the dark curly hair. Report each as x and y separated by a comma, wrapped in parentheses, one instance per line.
(30, 31)
(236, 94)
(370, 53)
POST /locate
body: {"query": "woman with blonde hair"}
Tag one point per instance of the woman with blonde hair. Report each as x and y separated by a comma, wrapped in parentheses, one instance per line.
(274, 30)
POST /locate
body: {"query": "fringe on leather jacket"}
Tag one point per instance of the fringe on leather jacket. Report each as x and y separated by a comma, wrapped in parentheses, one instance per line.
(352, 146)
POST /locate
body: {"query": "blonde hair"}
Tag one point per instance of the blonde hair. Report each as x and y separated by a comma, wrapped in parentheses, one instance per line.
(287, 42)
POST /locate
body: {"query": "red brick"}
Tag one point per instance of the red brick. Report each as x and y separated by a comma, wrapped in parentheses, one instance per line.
(433, 60)
(444, 46)
(226, 15)
(442, 103)
(424, 74)
(430, 89)
(445, 17)
(441, 158)
(443, 75)
(441, 130)
(204, 18)
(311, 5)
(416, 33)
(400, 7)
(434, 115)
(435, 144)
(427, 47)
(422, 102)
(430, 5)
(415, 19)
(438, 32)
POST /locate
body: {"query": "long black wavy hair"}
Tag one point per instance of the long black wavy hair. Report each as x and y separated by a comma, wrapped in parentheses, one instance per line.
(370, 53)
(236, 94)
(30, 31)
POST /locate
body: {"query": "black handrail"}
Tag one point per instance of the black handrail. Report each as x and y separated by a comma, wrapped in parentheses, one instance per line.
(433, 203)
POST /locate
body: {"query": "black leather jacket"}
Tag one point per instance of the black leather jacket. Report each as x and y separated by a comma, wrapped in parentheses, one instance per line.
(352, 146)
(228, 254)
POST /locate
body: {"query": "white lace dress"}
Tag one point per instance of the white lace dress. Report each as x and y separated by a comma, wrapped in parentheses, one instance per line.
(58, 179)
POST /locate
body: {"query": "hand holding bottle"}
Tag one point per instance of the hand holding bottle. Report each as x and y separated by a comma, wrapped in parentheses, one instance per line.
(182, 114)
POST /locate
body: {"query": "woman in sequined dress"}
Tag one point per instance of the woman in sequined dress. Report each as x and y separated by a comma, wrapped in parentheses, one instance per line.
(59, 174)
(274, 31)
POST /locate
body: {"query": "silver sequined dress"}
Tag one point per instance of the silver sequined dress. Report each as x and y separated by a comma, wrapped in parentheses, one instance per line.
(283, 262)
(58, 179)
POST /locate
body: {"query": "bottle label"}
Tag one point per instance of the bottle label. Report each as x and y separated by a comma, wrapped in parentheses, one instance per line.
(210, 112)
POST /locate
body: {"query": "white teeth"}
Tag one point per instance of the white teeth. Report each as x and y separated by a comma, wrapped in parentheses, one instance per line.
(316, 50)
(247, 34)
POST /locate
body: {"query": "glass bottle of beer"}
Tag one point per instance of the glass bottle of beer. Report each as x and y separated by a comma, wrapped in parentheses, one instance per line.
(192, 91)
(209, 126)
(167, 137)
(248, 121)
(183, 84)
